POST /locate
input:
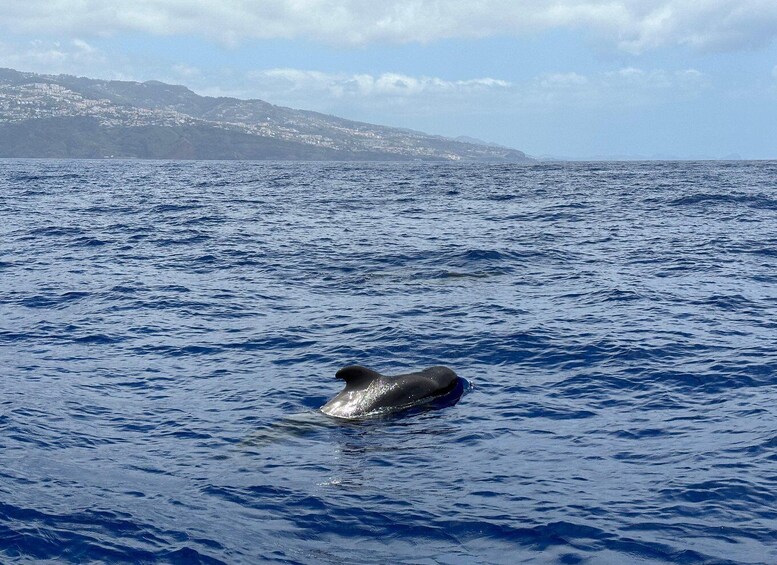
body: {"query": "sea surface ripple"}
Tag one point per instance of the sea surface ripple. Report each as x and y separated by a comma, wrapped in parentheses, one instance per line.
(168, 330)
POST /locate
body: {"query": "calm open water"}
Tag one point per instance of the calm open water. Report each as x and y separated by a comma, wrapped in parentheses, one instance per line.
(168, 330)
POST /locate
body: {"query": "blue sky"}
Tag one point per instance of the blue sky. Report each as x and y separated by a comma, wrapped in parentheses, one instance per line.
(569, 78)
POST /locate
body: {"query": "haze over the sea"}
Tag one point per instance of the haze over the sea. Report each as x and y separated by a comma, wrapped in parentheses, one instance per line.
(570, 78)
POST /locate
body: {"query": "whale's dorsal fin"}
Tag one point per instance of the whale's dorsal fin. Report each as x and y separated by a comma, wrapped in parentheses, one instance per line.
(356, 376)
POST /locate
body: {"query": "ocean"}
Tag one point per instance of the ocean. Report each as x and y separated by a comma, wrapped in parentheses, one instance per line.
(168, 331)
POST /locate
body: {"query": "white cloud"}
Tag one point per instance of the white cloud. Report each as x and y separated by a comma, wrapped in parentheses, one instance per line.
(657, 79)
(184, 72)
(365, 96)
(83, 46)
(354, 94)
(341, 85)
(563, 80)
(51, 56)
(628, 87)
(631, 25)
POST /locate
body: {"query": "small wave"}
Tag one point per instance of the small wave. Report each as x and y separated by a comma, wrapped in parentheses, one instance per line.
(503, 197)
(97, 339)
(183, 241)
(166, 208)
(130, 289)
(88, 242)
(713, 492)
(56, 231)
(731, 302)
(750, 200)
(44, 177)
(54, 301)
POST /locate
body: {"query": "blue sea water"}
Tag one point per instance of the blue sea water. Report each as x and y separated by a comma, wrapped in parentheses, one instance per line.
(169, 329)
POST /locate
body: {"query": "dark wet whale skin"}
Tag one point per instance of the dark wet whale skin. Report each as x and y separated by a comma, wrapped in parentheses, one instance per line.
(367, 392)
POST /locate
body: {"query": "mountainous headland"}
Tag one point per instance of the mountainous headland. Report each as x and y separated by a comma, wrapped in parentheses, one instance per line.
(63, 116)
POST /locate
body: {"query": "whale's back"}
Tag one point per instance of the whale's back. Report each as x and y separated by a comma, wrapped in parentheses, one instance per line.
(367, 392)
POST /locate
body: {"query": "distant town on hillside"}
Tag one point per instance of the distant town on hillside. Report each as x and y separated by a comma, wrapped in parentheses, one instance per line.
(64, 116)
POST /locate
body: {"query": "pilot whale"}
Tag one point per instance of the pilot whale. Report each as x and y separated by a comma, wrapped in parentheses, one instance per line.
(368, 393)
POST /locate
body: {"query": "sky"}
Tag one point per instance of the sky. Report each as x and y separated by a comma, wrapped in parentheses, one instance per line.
(574, 79)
